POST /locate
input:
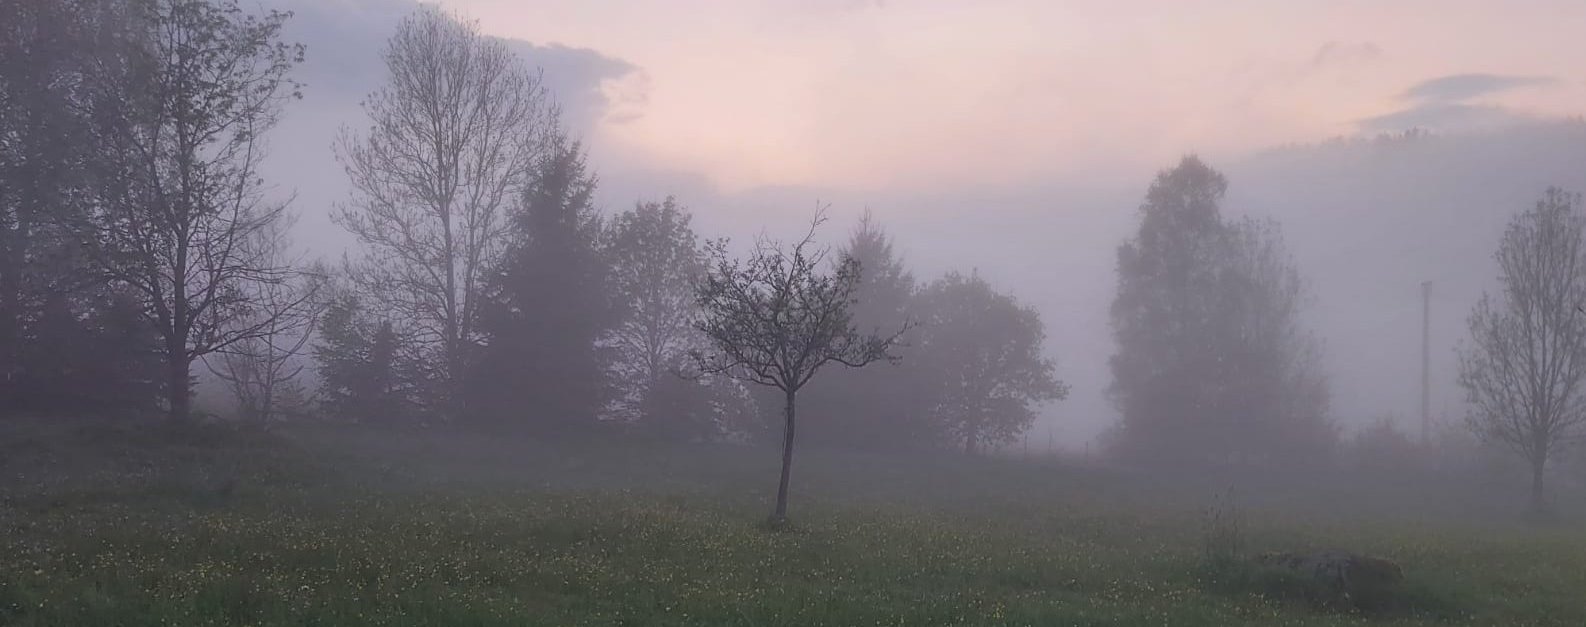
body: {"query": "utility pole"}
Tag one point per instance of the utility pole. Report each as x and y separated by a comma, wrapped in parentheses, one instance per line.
(1426, 362)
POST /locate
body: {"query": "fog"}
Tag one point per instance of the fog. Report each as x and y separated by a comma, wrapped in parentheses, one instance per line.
(1008, 312)
(1367, 221)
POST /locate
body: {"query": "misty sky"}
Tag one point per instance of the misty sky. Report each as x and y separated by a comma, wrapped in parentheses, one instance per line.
(918, 93)
(1017, 137)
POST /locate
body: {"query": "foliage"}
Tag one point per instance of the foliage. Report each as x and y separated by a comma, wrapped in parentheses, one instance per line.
(94, 354)
(1524, 366)
(874, 408)
(542, 366)
(365, 373)
(180, 127)
(1212, 365)
(655, 262)
(981, 351)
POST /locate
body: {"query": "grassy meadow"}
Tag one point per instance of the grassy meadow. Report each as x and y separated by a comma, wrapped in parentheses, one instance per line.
(121, 525)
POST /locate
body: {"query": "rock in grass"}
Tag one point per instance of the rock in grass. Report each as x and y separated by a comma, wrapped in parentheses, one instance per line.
(1350, 579)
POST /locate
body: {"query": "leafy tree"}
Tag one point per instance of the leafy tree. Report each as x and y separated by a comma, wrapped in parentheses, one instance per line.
(1523, 368)
(777, 318)
(655, 262)
(55, 57)
(1212, 364)
(452, 141)
(982, 351)
(550, 305)
(181, 195)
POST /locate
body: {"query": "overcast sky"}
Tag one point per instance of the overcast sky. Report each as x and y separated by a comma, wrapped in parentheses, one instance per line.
(886, 93)
(1017, 137)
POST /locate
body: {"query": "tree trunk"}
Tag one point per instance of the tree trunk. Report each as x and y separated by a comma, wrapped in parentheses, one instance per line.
(10, 308)
(178, 393)
(1538, 495)
(779, 516)
(971, 438)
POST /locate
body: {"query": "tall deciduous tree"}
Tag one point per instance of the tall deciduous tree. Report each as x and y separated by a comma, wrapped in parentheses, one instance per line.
(777, 318)
(452, 140)
(1212, 363)
(1523, 368)
(183, 196)
(655, 262)
(982, 352)
(543, 366)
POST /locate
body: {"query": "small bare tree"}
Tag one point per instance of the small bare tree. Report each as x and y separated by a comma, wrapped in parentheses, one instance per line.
(777, 318)
(263, 365)
(1523, 368)
(452, 138)
(183, 198)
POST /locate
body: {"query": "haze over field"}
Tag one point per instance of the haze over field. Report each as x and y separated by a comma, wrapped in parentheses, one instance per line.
(788, 313)
(1017, 138)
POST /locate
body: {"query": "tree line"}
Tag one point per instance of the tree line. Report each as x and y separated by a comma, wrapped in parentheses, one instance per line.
(139, 244)
(486, 289)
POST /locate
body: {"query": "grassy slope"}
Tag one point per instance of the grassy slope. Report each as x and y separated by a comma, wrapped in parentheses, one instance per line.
(107, 526)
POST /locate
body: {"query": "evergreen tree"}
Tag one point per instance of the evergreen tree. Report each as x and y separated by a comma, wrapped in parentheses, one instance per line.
(543, 366)
(881, 407)
(363, 375)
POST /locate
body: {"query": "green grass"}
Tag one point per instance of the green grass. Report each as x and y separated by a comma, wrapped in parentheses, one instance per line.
(107, 525)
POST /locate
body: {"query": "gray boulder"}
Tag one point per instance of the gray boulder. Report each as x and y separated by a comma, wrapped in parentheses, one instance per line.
(1346, 578)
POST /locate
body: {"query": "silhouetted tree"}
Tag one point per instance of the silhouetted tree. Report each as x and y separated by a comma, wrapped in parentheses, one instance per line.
(56, 59)
(982, 353)
(777, 318)
(452, 140)
(655, 262)
(89, 352)
(1523, 368)
(364, 375)
(1212, 365)
(543, 366)
(182, 195)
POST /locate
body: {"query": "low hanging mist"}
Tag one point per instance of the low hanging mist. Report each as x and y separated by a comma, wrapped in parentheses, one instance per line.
(375, 312)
